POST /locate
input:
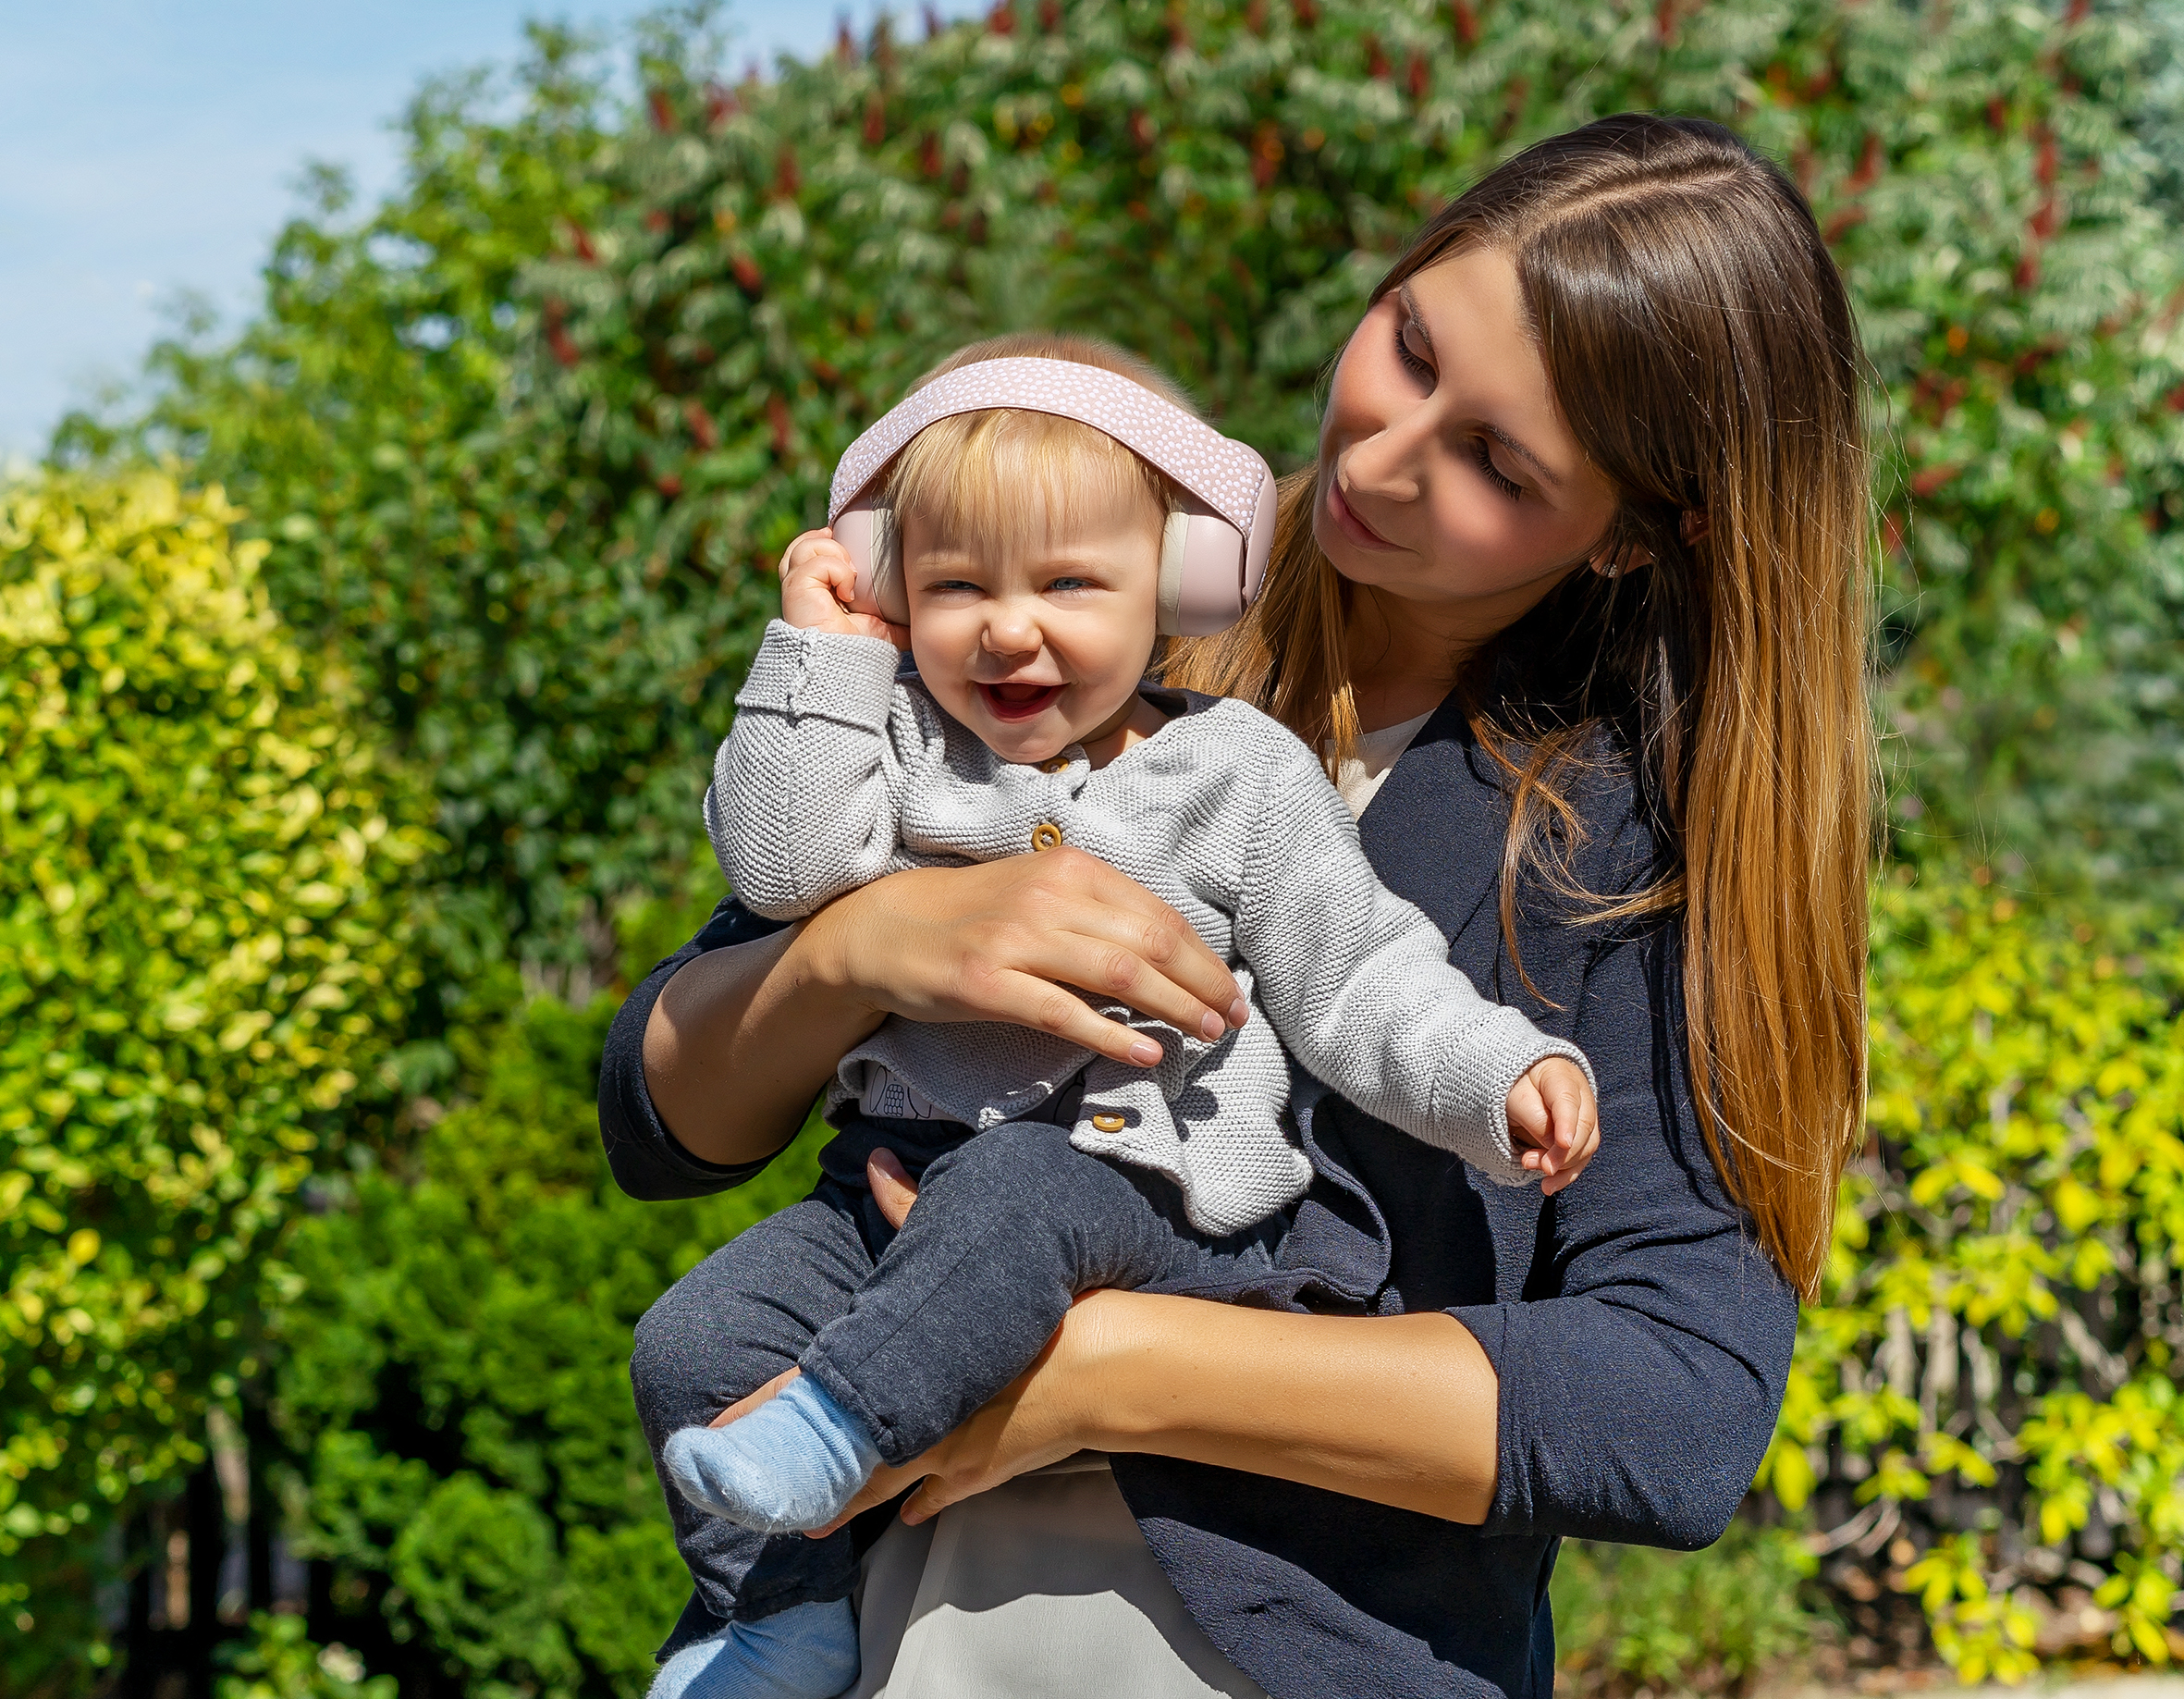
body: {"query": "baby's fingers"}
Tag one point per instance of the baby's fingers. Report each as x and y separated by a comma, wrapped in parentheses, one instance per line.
(806, 552)
(815, 561)
(1528, 1118)
(1575, 1113)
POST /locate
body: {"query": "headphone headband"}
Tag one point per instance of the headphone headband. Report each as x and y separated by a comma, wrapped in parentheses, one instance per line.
(1226, 475)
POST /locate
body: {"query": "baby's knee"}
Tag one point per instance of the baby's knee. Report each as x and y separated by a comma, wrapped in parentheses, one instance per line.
(676, 1346)
(656, 1351)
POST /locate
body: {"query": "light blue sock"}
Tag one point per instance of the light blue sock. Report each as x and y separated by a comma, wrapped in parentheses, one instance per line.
(809, 1652)
(793, 1464)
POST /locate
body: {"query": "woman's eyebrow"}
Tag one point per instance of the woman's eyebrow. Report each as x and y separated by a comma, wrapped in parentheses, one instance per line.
(1410, 306)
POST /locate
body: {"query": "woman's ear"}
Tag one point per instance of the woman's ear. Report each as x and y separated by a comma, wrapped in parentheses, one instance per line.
(1611, 560)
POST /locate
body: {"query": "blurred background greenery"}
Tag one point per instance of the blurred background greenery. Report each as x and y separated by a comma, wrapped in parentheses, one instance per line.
(358, 680)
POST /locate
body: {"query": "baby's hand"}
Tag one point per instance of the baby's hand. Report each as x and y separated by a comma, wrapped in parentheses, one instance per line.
(1555, 1121)
(817, 580)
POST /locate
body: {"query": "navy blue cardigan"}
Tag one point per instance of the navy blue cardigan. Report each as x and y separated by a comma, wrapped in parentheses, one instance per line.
(1641, 1337)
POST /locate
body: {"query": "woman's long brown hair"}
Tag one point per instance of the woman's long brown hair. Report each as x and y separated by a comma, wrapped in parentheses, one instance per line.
(1700, 342)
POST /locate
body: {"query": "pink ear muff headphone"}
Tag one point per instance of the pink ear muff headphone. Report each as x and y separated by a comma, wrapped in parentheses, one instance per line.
(1213, 552)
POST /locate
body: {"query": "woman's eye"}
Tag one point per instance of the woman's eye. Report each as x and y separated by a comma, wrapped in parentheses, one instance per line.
(1508, 486)
(1413, 363)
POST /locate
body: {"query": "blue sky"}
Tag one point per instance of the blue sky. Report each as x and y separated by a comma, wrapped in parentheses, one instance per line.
(149, 147)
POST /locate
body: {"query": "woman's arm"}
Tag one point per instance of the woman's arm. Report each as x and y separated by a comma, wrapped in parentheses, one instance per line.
(742, 1038)
(740, 1042)
(1400, 1410)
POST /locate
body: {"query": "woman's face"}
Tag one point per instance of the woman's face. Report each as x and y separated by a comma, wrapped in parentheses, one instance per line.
(1447, 477)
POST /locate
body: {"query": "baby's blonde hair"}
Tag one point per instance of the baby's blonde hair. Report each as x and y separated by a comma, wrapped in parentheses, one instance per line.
(1008, 477)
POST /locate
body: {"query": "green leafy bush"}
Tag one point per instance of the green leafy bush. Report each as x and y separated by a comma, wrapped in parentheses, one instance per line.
(1628, 1621)
(1984, 1409)
(371, 419)
(526, 439)
(201, 968)
(454, 1384)
(280, 1661)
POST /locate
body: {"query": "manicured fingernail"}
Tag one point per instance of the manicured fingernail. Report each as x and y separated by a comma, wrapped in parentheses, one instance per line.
(1239, 1012)
(1213, 1026)
(1144, 1053)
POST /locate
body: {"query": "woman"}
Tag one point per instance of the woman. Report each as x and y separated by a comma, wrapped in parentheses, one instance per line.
(1586, 545)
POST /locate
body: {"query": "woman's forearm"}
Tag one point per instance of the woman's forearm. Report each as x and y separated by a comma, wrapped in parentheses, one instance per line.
(740, 1041)
(1402, 1410)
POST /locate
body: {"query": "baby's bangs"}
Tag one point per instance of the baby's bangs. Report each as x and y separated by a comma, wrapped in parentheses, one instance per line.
(1013, 480)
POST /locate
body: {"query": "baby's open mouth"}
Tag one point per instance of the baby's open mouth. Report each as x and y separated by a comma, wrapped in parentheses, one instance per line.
(1018, 701)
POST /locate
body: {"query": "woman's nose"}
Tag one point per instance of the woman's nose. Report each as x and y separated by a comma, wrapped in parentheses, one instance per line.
(1385, 465)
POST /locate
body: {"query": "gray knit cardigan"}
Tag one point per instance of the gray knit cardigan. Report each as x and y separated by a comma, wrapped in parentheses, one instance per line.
(839, 771)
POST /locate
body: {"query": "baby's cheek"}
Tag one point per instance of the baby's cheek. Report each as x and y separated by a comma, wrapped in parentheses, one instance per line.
(939, 653)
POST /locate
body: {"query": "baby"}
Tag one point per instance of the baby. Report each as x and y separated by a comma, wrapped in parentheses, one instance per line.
(1037, 559)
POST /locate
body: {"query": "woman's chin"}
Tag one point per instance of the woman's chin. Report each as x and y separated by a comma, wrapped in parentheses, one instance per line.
(1353, 565)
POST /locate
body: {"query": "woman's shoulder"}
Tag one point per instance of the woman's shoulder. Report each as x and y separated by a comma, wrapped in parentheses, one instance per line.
(1440, 827)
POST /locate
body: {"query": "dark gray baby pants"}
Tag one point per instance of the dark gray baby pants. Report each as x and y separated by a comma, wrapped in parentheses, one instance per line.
(912, 1331)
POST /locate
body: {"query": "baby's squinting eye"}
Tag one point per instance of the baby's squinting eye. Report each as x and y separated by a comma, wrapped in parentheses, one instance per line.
(1071, 583)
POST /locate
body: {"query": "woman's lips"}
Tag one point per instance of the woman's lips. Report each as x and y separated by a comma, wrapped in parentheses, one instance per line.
(1018, 701)
(1349, 525)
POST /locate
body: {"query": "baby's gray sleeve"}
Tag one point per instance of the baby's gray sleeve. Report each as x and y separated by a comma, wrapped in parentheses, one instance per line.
(1358, 985)
(807, 783)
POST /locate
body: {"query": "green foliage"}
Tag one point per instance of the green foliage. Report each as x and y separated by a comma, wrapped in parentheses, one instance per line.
(2020, 278)
(454, 1382)
(1629, 1621)
(203, 958)
(526, 440)
(1988, 1389)
(517, 449)
(359, 419)
(278, 1661)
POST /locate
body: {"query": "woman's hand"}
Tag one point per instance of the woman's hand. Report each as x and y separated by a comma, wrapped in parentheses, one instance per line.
(1003, 940)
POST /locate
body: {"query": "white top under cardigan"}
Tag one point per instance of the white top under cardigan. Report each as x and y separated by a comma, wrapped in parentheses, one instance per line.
(1359, 778)
(838, 772)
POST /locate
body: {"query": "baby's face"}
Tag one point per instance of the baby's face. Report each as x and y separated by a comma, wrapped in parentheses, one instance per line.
(1035, 651)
